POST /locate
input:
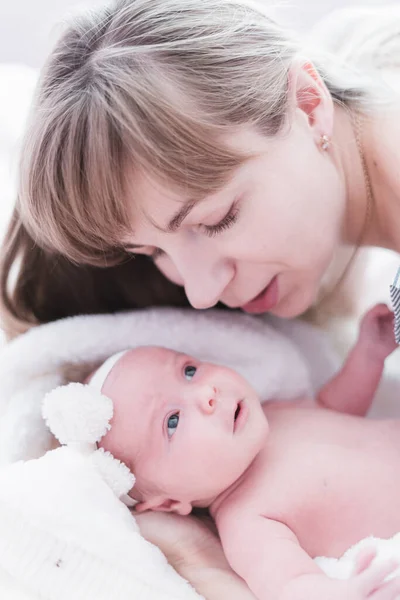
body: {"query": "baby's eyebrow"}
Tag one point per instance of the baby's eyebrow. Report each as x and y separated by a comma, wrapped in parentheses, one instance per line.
(175, 359)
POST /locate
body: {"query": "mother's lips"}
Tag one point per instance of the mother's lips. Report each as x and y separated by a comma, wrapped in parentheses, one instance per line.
(266, 300)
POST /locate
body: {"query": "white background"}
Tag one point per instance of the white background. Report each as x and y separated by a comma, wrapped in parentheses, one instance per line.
(28, 27)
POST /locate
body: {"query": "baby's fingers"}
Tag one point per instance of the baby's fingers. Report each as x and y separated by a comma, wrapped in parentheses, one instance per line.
(389, 590)
(381, 310)
(373, 579)
(364, 560)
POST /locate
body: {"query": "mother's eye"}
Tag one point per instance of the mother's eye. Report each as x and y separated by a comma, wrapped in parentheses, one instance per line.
(227, 222)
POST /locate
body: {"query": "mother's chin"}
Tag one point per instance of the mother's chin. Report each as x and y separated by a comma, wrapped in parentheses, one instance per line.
(295, 302)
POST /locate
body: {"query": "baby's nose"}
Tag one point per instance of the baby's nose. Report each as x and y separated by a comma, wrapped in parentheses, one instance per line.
(207, 399)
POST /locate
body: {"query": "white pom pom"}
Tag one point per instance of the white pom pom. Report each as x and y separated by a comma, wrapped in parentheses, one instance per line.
(114, 472)
(76, 413)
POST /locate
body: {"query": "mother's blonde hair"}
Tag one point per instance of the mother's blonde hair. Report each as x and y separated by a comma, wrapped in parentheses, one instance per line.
(139, 86)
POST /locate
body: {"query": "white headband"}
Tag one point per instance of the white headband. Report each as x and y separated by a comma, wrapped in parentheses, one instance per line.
(97, 383)
(103, 371)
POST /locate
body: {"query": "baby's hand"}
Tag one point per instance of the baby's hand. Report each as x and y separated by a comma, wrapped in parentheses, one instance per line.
(377, 332)
(370, 580)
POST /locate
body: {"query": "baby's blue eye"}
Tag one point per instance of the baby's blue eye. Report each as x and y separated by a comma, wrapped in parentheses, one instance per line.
(190, 371)
(172, 424)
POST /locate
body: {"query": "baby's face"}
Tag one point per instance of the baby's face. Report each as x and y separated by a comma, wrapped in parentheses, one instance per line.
(190, 428)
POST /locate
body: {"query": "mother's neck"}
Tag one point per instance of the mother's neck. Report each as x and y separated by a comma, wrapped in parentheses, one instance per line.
(380, 143)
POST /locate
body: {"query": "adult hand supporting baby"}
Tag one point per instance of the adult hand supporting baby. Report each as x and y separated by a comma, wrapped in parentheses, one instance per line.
(195, 552)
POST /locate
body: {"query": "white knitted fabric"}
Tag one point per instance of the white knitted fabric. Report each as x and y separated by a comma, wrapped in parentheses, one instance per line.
(64, 534)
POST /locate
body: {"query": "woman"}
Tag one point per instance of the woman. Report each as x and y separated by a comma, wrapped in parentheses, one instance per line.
(199, 138)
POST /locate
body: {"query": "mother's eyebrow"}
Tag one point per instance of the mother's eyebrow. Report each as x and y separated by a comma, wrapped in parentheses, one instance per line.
(177, 219)
(174, 223)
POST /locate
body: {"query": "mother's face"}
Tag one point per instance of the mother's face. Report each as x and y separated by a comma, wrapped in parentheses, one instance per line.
(279, 219)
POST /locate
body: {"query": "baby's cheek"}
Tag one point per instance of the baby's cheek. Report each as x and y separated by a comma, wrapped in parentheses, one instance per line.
(119, 446)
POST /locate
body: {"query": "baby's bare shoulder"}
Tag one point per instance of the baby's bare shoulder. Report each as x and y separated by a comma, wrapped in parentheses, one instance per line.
(232, 517)
(244, 504)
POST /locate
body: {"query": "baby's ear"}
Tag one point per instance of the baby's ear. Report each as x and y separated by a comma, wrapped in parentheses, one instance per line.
(161, 504)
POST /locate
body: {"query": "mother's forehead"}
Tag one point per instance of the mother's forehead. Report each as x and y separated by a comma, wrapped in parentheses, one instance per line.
(145, 187)
(159, 204)
(146, 192)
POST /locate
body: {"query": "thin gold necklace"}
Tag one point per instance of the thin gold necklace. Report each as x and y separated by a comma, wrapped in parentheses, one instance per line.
(357, 128)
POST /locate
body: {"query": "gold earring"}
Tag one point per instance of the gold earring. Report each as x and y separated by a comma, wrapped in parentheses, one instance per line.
(324, 142)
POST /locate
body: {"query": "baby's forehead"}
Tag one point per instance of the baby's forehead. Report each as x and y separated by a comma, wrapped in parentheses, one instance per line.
(147, 356)
(143, 365)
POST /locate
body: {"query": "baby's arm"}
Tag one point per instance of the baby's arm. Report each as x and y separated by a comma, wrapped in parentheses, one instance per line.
(268, 556)
(352, 390)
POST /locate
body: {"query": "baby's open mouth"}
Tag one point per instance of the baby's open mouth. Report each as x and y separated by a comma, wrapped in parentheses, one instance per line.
(237, 414)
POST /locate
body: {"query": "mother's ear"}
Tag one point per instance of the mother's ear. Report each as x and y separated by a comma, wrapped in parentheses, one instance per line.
(162, 504)
(308, 92)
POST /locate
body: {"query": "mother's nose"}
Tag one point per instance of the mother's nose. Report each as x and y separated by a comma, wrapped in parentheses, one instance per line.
(205, 280)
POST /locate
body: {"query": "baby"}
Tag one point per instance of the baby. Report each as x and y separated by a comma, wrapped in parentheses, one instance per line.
(284, 482)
